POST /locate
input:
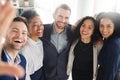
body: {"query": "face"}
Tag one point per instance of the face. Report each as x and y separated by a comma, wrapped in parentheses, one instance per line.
(36, 27)
(61, 17)
(86, 29)
(16, 36)
(106, 27)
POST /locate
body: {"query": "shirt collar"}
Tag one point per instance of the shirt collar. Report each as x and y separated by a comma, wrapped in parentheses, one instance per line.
(10, 59)
(33, 43)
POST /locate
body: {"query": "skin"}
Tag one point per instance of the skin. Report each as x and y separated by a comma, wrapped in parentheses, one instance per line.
(61, 17)
(36, 28)
(5, 21)
(86, 30)
(106, 27)
(15, 38)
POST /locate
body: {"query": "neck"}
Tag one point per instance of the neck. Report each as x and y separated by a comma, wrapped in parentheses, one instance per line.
(86, 40)
(12, 52)
(34, 38)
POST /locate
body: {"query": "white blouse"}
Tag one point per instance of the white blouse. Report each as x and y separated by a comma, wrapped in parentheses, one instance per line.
(33, 52)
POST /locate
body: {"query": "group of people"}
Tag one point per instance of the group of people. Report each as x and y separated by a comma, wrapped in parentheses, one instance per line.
(90, 50)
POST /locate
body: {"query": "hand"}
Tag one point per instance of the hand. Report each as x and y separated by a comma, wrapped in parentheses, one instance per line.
(7, 13)
(11, 70)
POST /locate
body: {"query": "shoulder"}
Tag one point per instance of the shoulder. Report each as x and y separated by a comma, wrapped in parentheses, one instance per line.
(22, 57)
(114, 42)
(48, 25)
(98, 44)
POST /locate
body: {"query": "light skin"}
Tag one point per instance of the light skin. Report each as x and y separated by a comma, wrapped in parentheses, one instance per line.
(36, 28)
(106, 27)
(5, 21)
(61, 17)
(86, 30)
(16, 38)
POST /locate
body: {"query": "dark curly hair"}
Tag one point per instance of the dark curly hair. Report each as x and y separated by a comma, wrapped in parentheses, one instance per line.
(95, 35)
(115, 18)
(29, 14)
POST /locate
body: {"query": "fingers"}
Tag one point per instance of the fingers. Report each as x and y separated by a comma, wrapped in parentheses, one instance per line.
(6, 16)
(11, 70)
(7, 13)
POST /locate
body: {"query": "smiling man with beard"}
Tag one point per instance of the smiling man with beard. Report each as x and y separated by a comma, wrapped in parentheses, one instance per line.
(15, 39)
(59, 35)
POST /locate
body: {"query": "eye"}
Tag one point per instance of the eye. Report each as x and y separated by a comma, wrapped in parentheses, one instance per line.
(83, 25)
(101, 26)
(14, 30)
(24, 33)
(90, 27)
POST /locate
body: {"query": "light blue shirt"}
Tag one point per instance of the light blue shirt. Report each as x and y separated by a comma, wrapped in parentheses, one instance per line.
(59, 40)
(11, 60)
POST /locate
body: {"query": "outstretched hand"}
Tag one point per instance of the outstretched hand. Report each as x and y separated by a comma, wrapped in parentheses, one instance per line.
(7, 13)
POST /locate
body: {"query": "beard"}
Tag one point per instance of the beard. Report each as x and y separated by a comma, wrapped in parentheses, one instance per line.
(60, 25)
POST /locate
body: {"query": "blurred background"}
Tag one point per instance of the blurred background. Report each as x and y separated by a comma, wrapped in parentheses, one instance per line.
(80, 8)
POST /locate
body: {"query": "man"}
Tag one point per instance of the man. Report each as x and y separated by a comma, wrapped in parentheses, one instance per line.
(16, 38)
(58, 35)
(5, 20)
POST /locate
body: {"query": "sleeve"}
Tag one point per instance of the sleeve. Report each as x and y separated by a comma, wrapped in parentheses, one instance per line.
(112, 61)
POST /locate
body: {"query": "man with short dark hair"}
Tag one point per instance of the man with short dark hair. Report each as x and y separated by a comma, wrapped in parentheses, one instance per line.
(15, 39)
(59, 35)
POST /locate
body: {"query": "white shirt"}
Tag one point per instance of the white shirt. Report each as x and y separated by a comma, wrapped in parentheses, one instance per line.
(33, 53)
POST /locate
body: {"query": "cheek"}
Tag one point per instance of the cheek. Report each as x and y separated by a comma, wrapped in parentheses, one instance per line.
(91, 32)
(111, 31)
(100, 29)
(25, 39)
(80, 30)
(31, 31)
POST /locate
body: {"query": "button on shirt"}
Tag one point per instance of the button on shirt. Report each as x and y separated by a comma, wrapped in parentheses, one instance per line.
(59, 40)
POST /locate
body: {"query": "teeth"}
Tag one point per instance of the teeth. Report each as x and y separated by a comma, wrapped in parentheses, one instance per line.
(18, 41)
(84, 32)
(105, 33)
(39, 31)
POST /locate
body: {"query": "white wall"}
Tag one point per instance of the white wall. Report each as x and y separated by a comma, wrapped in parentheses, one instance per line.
(80, 8)
(46, 8)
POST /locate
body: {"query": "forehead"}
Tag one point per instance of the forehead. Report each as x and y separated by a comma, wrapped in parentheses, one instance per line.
(18, 25)
(36, 19)
(106, 21)
(89, 22)
(63, 11)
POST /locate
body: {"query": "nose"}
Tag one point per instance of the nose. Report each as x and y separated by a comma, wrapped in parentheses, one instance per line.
(104, 29)
(63, 20)
(85, 28)
(19, 34)
(40, 27)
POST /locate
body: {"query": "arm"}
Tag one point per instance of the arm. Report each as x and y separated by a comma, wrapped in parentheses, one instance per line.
(7, 13)
(112, 60)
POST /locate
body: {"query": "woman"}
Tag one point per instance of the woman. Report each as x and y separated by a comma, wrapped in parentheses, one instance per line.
(84, 50)
(109, 57)
(33, 51)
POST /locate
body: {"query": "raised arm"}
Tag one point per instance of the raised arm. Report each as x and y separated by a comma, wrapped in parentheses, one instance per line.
(7, 13)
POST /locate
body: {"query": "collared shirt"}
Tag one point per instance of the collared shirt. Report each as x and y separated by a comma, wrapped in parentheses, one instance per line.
(33, 53)
(11, 60)
(59, 40)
